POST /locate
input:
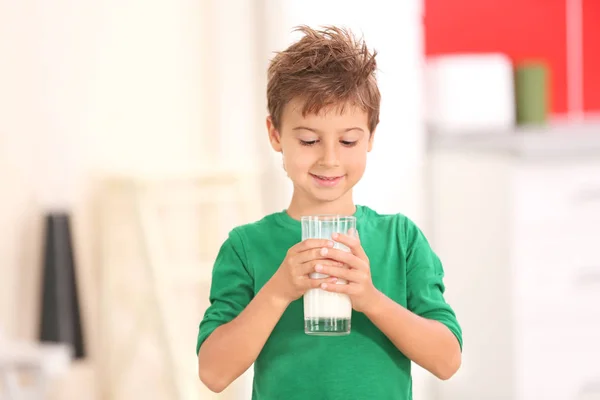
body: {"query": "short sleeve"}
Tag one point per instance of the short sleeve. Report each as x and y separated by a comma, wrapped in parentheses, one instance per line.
(425, 285)
(231, 288)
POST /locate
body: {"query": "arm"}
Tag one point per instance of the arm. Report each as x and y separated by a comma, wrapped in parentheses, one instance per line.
(426, 331)
(232, 348)
(427, 342)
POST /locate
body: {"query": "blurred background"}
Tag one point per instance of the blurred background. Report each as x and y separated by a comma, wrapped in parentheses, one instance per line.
(132, 140)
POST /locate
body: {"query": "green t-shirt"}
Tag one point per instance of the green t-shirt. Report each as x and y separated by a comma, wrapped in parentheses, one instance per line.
(363, 365)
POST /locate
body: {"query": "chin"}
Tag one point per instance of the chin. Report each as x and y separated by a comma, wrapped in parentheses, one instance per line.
(327, 197)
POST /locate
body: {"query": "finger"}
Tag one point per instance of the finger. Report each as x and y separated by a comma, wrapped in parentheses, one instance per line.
(347, 258)
(352, 242)
(335, 288)
(351, 275)
(309, 283)
(318, 253)
(310, 266)
(308, 244)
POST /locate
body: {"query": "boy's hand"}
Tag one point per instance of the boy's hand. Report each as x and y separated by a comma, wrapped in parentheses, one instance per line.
(356, 271)
(292, 278)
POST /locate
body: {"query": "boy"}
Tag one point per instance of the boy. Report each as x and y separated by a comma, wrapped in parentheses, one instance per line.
(323, 103)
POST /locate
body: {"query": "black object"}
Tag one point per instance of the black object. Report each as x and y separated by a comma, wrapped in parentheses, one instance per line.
(60, 319)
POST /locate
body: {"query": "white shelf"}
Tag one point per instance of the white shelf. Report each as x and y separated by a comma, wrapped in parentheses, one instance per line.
(555, 140)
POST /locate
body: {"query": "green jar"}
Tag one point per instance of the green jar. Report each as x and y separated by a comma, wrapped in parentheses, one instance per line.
(532, 93)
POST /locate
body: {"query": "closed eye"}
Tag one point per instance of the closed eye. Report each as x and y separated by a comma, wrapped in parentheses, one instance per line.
(346, 143)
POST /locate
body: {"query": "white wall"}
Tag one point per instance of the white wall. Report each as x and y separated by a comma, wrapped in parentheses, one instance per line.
(88, 88)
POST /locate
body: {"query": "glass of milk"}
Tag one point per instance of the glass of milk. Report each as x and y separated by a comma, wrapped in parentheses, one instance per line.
(327, 313)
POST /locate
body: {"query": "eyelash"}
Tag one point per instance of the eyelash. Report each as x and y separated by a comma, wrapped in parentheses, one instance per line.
(313, 142)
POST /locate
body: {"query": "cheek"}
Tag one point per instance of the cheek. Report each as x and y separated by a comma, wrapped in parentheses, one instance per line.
(357, 161)
(296, 160)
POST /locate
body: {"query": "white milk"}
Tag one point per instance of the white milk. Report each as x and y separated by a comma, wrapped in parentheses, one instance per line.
(319, 303)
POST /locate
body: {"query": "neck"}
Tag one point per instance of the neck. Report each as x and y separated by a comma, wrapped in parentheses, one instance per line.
(300, 206)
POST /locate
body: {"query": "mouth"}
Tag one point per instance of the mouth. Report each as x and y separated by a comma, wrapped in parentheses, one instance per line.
(327, 181)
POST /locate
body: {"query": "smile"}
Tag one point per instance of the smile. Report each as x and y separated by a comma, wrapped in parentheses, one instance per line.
(326, 181)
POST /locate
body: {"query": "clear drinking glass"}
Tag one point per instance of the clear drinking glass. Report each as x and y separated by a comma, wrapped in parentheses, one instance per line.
(327, 313)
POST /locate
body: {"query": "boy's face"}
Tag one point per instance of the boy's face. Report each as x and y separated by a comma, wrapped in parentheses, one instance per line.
(324, 155)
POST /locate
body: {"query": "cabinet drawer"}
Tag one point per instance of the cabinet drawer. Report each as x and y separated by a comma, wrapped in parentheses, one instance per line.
(574, 300)
(557, 192)
(558, 277)
(540, 248)
(558, 363)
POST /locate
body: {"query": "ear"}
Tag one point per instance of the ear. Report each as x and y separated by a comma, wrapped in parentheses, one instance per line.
(274, 136)
(371, 138)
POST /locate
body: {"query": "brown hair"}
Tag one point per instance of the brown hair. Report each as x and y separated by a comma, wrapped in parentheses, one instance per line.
(327, 67)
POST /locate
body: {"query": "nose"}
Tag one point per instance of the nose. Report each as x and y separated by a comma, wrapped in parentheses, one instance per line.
(330, 156)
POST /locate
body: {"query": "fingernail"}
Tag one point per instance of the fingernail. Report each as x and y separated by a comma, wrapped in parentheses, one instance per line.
(323, 286)
(324, 251)
(333, 280)
(335, 235)
(330, 244)
(318, 267)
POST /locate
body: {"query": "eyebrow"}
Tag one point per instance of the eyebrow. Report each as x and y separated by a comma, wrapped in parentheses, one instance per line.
(299, 128)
